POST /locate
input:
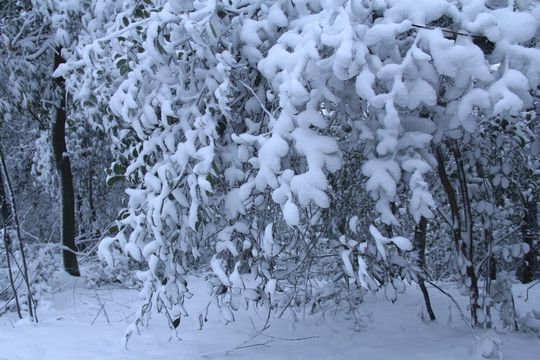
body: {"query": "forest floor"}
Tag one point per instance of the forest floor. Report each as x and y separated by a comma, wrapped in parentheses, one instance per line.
(78, 322)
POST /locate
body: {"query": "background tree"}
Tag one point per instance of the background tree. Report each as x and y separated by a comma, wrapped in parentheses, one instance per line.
(36, 36)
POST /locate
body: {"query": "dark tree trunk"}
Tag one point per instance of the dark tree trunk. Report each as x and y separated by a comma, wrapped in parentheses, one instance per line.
(420, 244)
(4, 207)
(467, 231)
(531, 231)
(462, 228)
(63, 168)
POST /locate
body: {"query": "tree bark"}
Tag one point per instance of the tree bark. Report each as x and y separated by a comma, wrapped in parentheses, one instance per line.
(63, 168)
(420, 244)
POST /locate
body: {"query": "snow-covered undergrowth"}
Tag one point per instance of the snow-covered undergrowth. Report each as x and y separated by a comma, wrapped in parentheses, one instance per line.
(79, 322)
(328, 149)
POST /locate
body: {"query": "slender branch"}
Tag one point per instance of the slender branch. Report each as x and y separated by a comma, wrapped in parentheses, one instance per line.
(243, 344)
(26, 22)
(14, 215)
(290, 339)
(536, 283)
(445, 218)
(42, 126)
(256, 97)
(457, 306)
(10, 271)
(39, 53)
(479, 266)
(448, 31)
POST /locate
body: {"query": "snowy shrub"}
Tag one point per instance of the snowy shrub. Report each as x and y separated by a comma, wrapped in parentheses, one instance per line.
(239, 124)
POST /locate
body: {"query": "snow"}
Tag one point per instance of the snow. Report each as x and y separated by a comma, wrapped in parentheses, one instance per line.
(460, 60)
(385, 33)
(217, 268)
(270, 155)
(268, 241)
(291, 214)
(419, 11)
(515, 26)
(78, 322)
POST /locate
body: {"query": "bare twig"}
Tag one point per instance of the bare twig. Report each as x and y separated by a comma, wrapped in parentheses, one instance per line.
(290, 339)
(244, 345)
(536, 283)
(253, 345)
(447, 31)
(479, 266)
(259, 100)
(457, 306)
(102, 307)
(10, 271)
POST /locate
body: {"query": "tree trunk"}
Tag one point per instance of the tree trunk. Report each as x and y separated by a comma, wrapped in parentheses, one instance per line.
(420, 244)
(63, 168)
(4, 207)
(462, 229)
(467, 234)
(530, 231)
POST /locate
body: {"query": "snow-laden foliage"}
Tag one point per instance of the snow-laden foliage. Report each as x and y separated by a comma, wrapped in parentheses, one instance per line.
(236, 122)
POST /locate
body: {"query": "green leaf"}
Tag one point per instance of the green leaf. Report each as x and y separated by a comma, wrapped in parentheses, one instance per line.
(210, 179)
(214, 166)
(118, 169)
(125, 20)
(123, 215)
(124, 69)
(114, 179)
(120, 63)
(113, 230)
(213, 31)
(258, 79)
(159, 47)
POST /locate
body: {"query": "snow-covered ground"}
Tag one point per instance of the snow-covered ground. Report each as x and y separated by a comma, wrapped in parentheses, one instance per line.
(83, 323)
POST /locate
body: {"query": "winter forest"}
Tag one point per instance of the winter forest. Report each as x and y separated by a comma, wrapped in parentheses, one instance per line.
(302, 179)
